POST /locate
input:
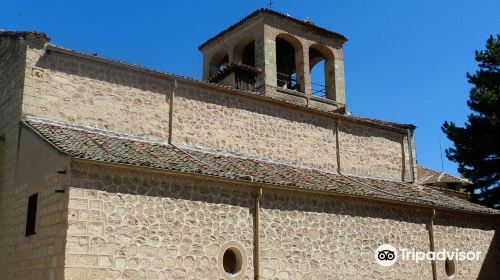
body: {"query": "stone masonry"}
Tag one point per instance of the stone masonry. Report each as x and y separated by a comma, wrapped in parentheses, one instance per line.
(12, 67)
(110, 97)
(125, 225)
(178, 193)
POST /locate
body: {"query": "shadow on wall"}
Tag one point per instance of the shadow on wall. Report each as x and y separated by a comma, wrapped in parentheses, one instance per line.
(470, 232)
(491, 265)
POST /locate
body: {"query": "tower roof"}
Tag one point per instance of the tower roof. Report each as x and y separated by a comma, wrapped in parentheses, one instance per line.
(306, 23)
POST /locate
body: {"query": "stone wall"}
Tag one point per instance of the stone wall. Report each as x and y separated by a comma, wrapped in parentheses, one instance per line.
(85, 92)
(132, 225)
(468, 233)
(12, 67)
(305, 236)
(318, 237)
(372, 152)
(39, 170)
(70, 88)
(39, 256)
(125, 225)
(239, 124)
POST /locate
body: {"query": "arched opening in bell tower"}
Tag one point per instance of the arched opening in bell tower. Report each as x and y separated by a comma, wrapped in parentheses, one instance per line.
(321, 69)
(249, 54)
(218, 62)
(286, 62)
(244, 52)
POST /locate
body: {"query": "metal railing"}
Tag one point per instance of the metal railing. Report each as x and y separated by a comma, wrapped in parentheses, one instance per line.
(289, 82)
(318, 90)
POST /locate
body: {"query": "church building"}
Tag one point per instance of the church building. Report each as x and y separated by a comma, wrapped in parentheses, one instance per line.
(110, 170)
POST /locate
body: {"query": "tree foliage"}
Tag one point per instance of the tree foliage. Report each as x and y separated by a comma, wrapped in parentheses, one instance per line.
(477, 144)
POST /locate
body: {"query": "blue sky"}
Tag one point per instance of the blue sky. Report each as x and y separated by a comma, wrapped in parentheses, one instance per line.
(405, 61)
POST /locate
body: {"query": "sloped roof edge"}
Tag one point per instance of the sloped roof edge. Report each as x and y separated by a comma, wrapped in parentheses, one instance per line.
(24, 34)
(275, 13)
(428, 175)
(231, 67)
(108, 147)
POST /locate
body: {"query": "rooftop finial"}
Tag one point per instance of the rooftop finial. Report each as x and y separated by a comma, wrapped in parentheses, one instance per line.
(270, 5)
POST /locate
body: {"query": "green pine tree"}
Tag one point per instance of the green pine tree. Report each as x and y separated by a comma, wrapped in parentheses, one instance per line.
(477, 144)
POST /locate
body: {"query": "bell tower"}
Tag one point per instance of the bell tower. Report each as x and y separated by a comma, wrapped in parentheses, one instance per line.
(273, 54)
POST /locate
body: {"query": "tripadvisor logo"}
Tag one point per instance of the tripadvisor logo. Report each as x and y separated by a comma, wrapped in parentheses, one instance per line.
(387, 255)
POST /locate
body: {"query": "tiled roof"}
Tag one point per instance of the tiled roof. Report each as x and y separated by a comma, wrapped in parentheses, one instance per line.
(427, 176)
(7, 33)
(98, 145)
(231, 67)
(448, 191)
(306, 23)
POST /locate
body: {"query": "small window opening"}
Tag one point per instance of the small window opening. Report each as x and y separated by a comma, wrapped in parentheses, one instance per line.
(449, 267)
(232, 261)
(31, 215)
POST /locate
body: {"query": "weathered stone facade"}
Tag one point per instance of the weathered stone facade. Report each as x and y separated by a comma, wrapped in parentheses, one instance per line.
(107, 96)
(130, 225)
(39, 170)
(119, 99)
(101, 217)
(237, 121)
(124, 225)
(12, 67)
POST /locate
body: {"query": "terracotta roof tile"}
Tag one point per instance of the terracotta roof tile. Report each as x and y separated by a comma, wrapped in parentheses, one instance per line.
(231, 67)
(93, 144)
(40, 35)
(430, 176)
